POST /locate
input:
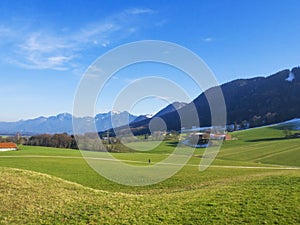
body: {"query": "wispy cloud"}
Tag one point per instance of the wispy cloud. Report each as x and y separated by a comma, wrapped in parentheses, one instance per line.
(139, 11)
(207, 39)
(34, 61)
(46, 49)
(43, 43)
(40, 50)
(4, 31)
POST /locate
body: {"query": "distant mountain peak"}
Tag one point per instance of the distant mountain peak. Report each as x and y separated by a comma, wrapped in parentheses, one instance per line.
(116, 112)
(62, 123)
(64, 116)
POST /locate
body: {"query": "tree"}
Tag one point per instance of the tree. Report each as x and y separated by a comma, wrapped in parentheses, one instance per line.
(287, 132)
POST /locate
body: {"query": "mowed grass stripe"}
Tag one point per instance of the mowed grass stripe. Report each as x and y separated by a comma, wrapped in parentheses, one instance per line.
(257, 153)
(279, 152)
(251, 147)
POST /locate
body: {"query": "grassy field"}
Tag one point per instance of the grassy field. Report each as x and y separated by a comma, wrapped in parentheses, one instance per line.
(255, 179)
(262, 145)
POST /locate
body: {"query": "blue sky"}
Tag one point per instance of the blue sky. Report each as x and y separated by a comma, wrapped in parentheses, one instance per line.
(46, 46)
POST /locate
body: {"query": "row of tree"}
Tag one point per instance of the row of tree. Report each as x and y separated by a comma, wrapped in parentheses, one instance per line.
(56, 140)
(88, 141)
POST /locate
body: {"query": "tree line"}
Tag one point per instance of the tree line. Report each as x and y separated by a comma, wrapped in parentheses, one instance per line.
(56, 141)
(48, 140)
(88, 141)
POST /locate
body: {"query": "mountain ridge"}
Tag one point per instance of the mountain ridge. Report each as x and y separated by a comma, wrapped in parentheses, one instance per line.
(253, 101)
(62, 123)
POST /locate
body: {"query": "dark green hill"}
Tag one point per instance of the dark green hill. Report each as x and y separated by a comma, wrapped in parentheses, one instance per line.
(257, 101)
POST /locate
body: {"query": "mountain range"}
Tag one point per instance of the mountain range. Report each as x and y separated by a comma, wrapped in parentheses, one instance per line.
(249, 102)
(256, 101)
(62, 123)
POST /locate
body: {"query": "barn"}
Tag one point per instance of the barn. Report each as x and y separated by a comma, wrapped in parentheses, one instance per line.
(8, 146)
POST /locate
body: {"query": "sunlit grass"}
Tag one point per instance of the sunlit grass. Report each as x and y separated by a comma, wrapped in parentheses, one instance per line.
(243, 185)
(32, 198)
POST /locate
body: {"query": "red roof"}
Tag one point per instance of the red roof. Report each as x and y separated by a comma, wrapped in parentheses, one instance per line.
(8, 145)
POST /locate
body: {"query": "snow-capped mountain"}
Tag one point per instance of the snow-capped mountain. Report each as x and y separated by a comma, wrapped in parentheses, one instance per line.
(62, 123)
(105, 121)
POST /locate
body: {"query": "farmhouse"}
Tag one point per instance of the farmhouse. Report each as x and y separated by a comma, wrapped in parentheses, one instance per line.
(203, 140)
(220, 137)
(8, 146)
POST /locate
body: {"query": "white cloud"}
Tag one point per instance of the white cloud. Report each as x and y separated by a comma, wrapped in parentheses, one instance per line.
(43, 42)
(95, 69)
(139, 11)
(35, 62)
(105, 44)
(45, 49)
(207, 39)
(97, 33)
(59, 60)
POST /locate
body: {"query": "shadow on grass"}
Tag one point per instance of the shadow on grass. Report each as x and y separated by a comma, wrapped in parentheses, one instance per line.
(172, 143)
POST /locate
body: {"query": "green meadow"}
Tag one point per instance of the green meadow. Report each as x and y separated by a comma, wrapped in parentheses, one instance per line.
(255, 179)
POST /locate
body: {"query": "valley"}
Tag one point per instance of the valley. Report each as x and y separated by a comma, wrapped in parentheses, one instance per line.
(249, 175)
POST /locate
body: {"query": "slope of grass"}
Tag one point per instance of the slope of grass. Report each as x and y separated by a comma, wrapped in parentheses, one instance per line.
(262, 145)
(32, 198)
